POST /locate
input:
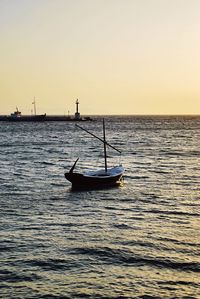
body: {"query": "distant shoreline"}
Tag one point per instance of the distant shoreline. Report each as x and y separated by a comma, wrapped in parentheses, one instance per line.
(105, 115)
(42, 118)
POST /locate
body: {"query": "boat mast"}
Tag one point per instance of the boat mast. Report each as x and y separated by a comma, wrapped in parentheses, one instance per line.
(98, 138)
(104, 143)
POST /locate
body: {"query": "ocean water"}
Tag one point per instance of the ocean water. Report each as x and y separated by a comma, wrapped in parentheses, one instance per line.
(141, 240)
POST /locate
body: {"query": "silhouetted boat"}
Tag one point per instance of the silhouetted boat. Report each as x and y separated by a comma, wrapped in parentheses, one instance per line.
(103, 178)
(16, 116)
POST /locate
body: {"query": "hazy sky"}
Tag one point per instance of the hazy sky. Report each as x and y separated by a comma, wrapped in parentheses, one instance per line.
(115, 56)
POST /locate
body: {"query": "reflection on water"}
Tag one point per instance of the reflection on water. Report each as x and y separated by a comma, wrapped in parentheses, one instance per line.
(138, 240)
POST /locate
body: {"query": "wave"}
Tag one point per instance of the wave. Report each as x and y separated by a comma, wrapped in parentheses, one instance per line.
(167, 212)
(47, 163)
(52, 264)
(19, 276)
(127, 258)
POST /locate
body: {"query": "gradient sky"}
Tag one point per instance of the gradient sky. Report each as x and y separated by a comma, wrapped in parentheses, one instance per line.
(115, 56)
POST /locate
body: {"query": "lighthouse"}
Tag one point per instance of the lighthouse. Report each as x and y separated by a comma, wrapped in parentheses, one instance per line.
(77, 114)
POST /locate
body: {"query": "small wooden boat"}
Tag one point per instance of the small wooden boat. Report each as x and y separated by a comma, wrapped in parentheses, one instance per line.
(102, 178)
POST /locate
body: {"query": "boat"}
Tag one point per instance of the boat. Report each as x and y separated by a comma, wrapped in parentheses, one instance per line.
(97, 179)
(17, 116)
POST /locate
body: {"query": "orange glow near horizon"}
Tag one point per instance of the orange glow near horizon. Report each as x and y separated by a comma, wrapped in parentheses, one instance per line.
(116, 56)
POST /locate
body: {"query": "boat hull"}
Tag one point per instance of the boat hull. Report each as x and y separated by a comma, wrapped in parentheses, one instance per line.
(25, 118)
(81, 181)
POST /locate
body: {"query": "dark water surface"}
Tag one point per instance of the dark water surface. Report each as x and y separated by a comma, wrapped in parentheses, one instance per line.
(137, 241)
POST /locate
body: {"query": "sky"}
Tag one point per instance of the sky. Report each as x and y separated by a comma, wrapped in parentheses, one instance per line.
(115, 56)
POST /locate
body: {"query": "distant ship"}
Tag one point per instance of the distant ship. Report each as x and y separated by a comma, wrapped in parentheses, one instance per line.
(17, 116)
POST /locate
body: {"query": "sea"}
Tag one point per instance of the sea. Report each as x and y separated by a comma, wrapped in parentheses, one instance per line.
(140, 240)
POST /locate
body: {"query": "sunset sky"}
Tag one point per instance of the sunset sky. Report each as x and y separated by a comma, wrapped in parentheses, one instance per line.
(115, 56)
